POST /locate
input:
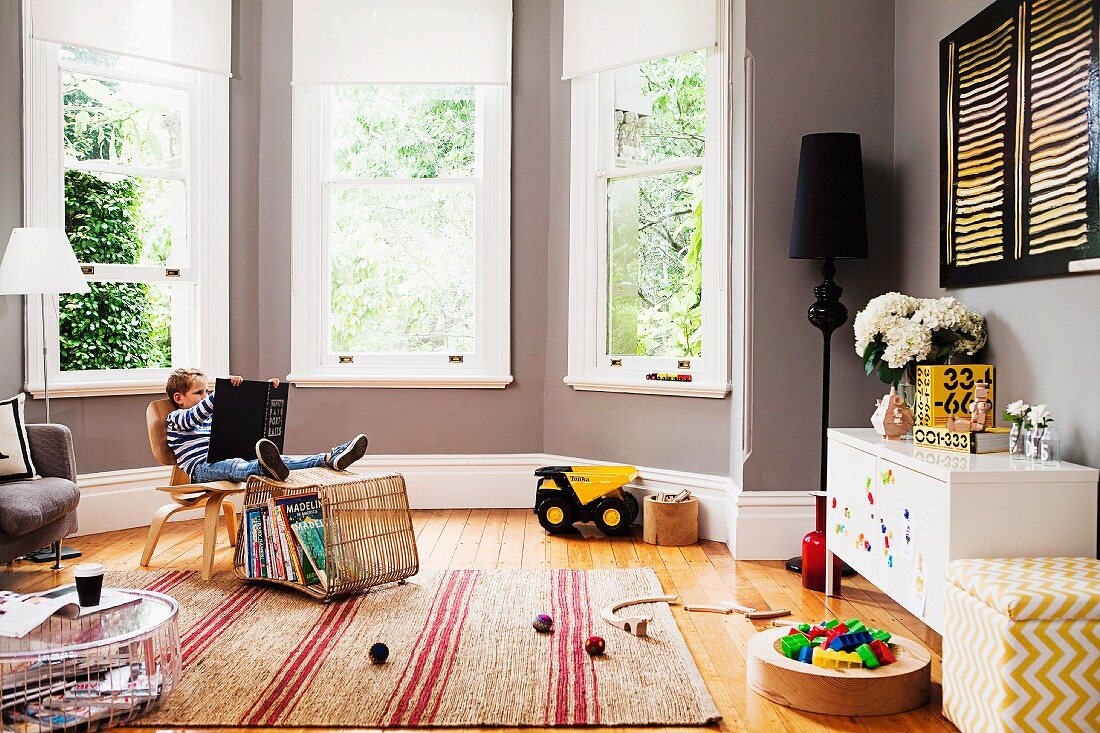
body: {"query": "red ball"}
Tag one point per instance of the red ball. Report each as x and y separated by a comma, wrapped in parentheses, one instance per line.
(595, 646)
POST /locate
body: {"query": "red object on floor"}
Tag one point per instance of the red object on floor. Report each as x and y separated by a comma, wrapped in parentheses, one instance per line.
(813, 553)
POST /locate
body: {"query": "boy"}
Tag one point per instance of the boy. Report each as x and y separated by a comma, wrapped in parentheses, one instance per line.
(189, 437)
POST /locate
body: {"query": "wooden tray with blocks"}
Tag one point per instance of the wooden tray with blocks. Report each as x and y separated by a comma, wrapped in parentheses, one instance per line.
(904, 685)
(368, 536)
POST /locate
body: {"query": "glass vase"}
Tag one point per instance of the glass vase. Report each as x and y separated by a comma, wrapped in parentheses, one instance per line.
(1031, 443)
(1017, 443)
(907, 390)
(1050, 448)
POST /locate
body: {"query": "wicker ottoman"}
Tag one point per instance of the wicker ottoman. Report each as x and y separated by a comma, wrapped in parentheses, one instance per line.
(1021, 646)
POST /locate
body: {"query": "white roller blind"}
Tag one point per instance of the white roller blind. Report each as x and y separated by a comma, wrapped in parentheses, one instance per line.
(402, 41)
(606, 34)
(191, 33)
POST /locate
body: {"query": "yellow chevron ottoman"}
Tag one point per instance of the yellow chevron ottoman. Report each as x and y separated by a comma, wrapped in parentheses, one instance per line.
(1021, 645)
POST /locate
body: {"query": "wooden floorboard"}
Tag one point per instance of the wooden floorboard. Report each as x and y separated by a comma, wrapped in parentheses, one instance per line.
(512, 538)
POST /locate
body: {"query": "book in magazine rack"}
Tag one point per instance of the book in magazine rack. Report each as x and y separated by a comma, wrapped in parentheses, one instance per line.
(368, 532)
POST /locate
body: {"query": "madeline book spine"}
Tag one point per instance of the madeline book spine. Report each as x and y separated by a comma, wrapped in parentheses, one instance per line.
(311, 533)
(302, 569)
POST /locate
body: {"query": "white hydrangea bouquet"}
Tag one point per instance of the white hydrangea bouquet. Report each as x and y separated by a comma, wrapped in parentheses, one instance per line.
(895, 332)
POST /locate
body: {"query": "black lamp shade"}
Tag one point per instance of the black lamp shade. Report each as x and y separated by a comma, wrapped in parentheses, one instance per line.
(830, 217)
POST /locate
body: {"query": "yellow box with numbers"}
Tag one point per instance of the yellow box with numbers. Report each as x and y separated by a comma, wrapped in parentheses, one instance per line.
(945, 390)
(568, 494)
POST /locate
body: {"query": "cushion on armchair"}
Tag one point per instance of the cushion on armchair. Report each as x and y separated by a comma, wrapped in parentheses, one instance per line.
(15, 448)
(27, 505)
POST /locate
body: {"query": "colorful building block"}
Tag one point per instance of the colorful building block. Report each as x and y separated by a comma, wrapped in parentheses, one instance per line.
(855, 625)
(883, 636)
(870, 661)
(829, 624)
(806, 654)
(836, 660)
(848, 642)
(817, 632)
(792, 643)
(882, 652)
(835, 633)
(804, 628)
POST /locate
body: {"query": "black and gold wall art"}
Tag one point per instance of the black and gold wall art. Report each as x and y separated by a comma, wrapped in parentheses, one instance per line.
(1019, 141)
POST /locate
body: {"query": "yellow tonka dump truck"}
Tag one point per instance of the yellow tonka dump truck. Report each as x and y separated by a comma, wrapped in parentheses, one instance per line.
(568, 494)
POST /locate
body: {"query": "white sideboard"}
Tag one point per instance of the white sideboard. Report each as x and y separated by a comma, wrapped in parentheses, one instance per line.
(898, 513)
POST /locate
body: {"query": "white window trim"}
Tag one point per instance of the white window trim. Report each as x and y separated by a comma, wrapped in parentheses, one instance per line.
(489, 367)
(591, 135)
(208, 225)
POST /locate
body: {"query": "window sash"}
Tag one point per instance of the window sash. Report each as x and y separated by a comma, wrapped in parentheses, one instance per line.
(593, 167)
(313, 363)
(203, 337)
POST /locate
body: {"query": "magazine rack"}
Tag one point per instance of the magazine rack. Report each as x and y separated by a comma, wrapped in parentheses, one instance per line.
(369, 537)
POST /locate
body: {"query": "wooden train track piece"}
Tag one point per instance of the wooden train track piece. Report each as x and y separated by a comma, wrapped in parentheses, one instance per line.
(636, 625)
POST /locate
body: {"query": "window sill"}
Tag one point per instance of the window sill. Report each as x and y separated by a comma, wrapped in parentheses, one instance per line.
(97, 389)
(400, 381)
(715, 390)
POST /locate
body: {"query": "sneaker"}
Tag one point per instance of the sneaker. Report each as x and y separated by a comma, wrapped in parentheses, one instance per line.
(348, 453)
(267, 453)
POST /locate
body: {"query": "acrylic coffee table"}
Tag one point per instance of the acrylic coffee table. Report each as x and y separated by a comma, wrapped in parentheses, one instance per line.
(94, 672)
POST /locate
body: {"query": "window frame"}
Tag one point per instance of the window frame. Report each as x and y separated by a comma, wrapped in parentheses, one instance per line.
(591, 168)
(204, 340)
(312, 365)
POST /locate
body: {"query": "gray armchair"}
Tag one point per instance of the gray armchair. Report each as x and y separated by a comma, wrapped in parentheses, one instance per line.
(42, 511)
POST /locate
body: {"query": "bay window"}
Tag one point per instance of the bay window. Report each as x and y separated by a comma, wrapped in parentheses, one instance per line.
(648, 239)
(128, 152)
(401, 196)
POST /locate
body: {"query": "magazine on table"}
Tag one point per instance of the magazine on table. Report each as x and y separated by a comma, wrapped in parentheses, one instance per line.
(23, 614)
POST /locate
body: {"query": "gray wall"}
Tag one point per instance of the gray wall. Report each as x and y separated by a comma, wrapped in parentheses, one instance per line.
(1042, 333)
(686, 433)
(819, 67)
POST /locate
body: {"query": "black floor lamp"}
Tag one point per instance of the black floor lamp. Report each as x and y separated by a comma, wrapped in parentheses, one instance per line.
(830, 222)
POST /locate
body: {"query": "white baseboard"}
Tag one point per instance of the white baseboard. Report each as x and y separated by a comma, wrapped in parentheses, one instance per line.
(757, 525)
(769, 525)
(116, 500)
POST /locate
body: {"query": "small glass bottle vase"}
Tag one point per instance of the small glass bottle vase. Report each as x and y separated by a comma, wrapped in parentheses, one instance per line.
(1017, 443)
(1050, 448)
(1031, 443)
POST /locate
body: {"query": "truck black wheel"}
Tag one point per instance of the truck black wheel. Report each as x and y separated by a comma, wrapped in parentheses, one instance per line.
(556, 515)
(632, 504)
(612, 516)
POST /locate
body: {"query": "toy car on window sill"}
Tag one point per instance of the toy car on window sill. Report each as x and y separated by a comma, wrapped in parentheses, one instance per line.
(569, 494)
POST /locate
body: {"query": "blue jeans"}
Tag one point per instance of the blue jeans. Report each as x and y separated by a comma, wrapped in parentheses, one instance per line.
(238, 469)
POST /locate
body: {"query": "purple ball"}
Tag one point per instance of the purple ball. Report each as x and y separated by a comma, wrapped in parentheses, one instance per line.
(543, 623)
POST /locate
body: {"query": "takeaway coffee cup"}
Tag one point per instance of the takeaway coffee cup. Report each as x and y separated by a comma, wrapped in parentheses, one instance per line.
(89, 583)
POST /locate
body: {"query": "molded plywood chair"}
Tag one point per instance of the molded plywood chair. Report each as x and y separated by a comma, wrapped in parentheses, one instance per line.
(185, 495)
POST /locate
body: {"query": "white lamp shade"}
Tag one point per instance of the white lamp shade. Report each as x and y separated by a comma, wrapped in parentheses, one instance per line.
(40, 260)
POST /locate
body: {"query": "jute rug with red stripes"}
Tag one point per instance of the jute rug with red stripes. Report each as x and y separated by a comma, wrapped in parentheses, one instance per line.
(462, 653)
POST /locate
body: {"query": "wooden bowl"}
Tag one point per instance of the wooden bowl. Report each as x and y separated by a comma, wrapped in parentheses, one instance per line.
(893, 688)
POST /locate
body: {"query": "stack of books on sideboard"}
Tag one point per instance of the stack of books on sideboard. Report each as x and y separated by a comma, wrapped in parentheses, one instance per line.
(286, 539)
(943, 415)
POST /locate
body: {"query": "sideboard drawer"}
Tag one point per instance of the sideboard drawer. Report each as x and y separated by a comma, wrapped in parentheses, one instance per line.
(913, 516)
(849, 524)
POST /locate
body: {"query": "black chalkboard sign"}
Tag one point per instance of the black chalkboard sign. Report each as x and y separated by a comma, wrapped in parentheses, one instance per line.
(244, 414)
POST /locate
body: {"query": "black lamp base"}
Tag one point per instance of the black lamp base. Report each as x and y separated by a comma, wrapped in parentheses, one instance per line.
(795, 566)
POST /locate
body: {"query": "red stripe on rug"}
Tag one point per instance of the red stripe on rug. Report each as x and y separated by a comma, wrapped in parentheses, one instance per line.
(457, 581)
(202, 635)
(445, 652)
(300, 664)
(572, 673)
(450, 664)
(441, 599)
(169, 580)
(313, 661)
(588, 612)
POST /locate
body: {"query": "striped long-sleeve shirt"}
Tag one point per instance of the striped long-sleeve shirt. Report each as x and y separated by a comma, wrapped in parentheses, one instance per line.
(189, 433)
